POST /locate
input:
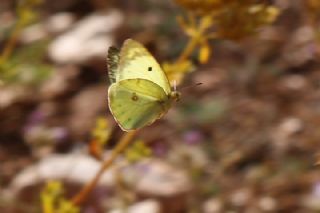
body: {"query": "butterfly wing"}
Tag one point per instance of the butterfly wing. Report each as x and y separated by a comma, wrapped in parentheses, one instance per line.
(137, 62)
(135, 103)
(112, 63)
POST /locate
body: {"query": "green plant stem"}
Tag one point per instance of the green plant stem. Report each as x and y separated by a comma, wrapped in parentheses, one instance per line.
(11, 43)
(120, 147)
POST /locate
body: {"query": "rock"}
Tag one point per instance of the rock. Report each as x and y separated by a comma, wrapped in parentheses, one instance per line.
(293, 86)
(85, 107)
(166, 180)
(162, 180)
(59, 22)
(55, 24)
(286, 129)
(150, 178)
(291, 125)
(241, 197)
(312, 200)
(213, 205)
(90, 38)
(267, 204)
(294, 83)
(146, 206)
(304, 34)
(33, 33)
(165, 183)
(14, 94)
(301, 48)
(196, 156)
(8, 96)
(312, 203)
(43, 140)
(60, 83)
(76, 168)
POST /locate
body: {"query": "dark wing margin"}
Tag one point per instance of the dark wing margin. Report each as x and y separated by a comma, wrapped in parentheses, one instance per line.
(113, 58)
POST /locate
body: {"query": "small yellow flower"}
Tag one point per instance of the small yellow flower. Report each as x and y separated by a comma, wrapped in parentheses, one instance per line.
(313, 5)
(137, 151)
(100, 136)
(101, 132)
(230, 19)
(176, 71)
(67, 206)
(271, 14)
(204, 53)
(53, 201)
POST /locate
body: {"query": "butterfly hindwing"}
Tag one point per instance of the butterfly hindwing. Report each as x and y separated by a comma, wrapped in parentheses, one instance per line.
(136, 62)
(137, 102)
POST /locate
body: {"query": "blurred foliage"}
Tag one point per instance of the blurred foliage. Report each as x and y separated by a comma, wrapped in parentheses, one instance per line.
(203, 21)
(232, 19)
(201, 113)
(137, 151)
(216, 19)
(26, 12)
(101, 131)
(314, 8)
(53, 201)
(26, 65)
(100, 136)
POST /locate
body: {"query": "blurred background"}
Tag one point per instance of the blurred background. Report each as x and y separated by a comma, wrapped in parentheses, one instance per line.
(246, 140)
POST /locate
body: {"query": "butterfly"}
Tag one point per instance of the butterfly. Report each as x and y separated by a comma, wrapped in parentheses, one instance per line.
(140, 91)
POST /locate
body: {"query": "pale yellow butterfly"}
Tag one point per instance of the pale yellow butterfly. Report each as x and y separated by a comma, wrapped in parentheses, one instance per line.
(140, 91)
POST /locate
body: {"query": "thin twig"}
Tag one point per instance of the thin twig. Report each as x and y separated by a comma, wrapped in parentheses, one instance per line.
(193, 42)
(195, 39)
(120, 147)
(11, 43)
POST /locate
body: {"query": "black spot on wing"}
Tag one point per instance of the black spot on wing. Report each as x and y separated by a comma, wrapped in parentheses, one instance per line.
(134, 97)
(149, 68)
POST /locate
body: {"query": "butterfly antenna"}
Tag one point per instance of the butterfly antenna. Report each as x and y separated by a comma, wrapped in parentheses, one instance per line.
(186, 87)
(175, 85)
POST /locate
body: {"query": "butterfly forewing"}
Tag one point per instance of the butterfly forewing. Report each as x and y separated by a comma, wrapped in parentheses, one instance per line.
(137, 62)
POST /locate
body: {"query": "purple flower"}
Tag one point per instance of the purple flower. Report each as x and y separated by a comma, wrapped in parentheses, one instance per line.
(192, 137)
(159, 149)
(59, 133)
(316, 189)
(144, 167)
(35, 118)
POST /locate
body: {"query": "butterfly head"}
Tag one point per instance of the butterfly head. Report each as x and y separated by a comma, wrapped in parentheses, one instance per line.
(175, 95)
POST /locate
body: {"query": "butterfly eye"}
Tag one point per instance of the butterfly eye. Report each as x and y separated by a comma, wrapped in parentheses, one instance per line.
(149, 68)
